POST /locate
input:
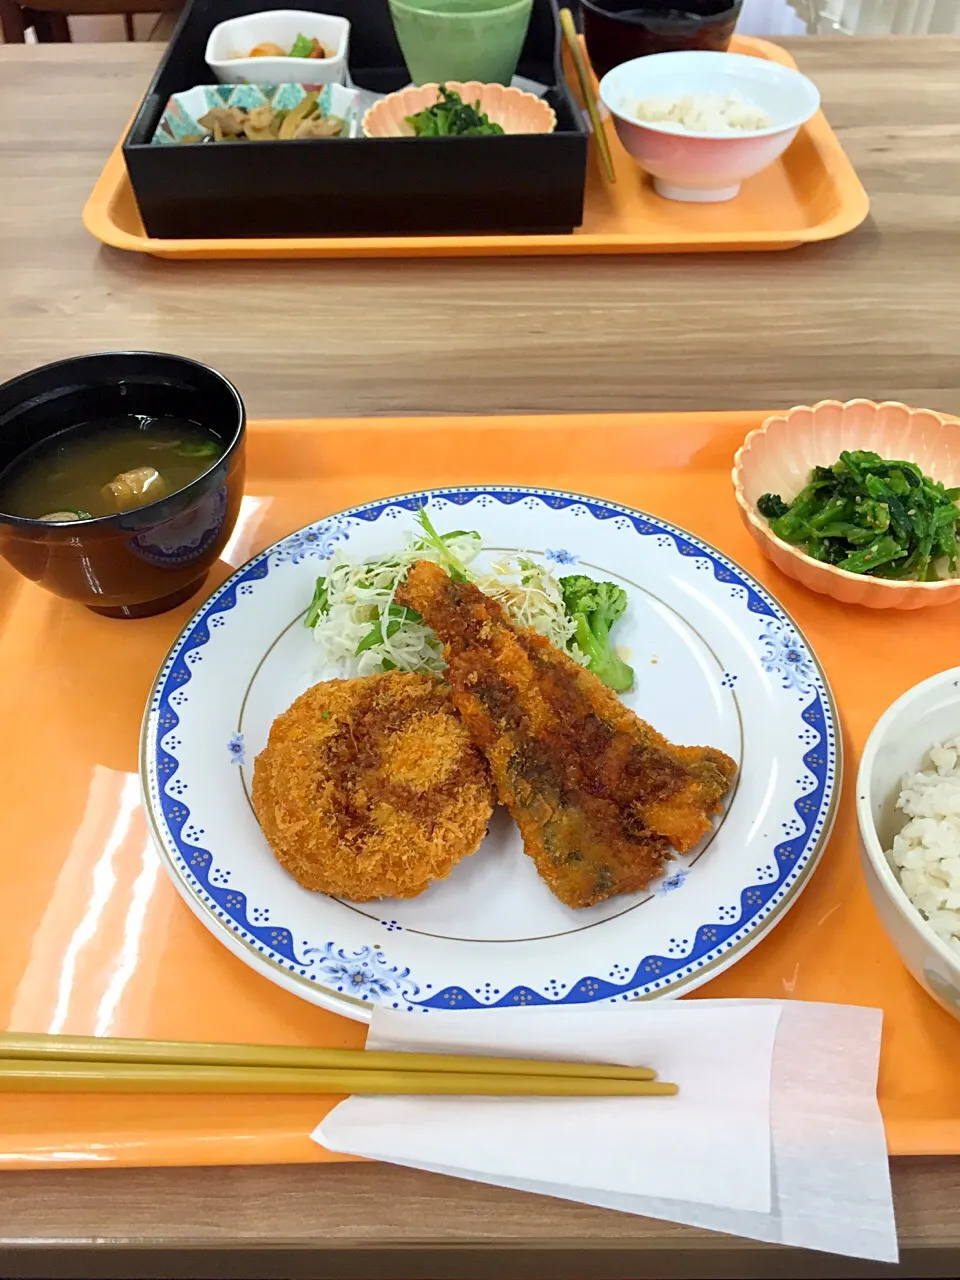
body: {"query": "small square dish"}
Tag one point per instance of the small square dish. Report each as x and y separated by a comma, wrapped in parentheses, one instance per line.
(229, 51)
(181, 122)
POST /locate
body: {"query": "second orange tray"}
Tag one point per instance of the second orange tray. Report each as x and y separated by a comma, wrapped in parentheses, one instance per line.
(811, 193)
(97, 940)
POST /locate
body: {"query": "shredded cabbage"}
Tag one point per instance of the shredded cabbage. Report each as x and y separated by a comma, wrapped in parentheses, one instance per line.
(361, 630)
(533, 598)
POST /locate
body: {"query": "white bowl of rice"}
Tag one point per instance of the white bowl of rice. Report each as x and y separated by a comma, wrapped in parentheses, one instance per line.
(701, 122)
(908, 808)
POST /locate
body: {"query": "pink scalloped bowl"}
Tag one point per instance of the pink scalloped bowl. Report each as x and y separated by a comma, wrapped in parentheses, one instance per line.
(513, 109)
(779, 456)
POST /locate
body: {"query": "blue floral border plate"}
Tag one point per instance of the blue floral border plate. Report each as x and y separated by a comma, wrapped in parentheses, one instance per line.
(718, 662)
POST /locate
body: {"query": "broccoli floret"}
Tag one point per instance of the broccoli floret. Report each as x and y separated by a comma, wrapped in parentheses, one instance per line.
(595, 607)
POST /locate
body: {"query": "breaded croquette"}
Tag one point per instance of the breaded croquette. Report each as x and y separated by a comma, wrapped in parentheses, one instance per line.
(599, 796)
(371, 788)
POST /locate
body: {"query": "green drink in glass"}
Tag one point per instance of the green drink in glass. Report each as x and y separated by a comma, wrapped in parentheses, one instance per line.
(446, 40)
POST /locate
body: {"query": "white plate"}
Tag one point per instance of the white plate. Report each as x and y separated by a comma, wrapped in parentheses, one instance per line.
(718, 663)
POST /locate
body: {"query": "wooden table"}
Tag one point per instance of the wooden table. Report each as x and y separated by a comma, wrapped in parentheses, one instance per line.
(875, 314)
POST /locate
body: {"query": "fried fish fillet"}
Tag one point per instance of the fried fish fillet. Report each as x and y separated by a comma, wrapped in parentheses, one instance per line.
(371, 788)
(601, 798)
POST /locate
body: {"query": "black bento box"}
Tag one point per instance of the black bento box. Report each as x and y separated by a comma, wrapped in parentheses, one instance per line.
(362, 186)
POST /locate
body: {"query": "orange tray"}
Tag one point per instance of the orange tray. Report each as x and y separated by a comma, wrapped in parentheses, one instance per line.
(97, 940)
(811, 193)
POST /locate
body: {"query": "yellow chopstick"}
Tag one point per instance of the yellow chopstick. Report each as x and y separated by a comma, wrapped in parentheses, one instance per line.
(586, 88)
(23, 1075)
(94, 1049)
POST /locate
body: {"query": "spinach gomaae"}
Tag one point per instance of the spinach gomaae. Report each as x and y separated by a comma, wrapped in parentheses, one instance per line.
(871, 515)
(451, 117)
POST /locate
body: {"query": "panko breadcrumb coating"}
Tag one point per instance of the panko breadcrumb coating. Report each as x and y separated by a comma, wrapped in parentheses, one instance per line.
(599, 796)
(370, 788)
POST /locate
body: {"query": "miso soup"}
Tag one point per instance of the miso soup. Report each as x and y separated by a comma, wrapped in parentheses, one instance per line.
(100, 469)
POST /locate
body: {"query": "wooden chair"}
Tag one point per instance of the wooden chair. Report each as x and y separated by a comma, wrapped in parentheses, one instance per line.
(49, 17)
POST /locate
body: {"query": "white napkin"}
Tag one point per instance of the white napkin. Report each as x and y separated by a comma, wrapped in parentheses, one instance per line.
(775, 1135)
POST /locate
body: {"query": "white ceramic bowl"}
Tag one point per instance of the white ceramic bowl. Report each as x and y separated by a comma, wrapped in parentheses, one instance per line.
(280, 26)
(926, 714)
(706, 167)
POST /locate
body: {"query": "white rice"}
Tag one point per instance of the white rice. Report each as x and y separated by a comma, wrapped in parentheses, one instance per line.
(704, 113)
(926, 853)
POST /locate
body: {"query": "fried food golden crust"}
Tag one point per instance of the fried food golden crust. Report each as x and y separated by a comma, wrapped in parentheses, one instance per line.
(599, 796)
(371, 788)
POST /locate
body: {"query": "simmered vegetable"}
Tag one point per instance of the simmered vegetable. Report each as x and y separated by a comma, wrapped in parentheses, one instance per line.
(309, 47)
(302, 47)
(268, 124)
